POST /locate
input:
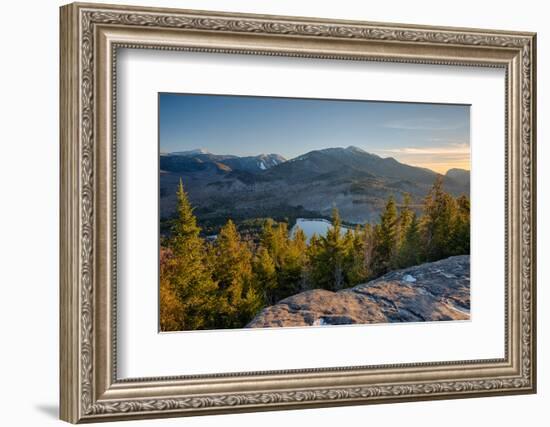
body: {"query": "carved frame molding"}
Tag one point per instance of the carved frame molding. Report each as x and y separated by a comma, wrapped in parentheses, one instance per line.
(90, 36)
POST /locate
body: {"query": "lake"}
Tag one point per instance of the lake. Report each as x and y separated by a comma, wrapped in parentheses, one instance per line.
(314, 226)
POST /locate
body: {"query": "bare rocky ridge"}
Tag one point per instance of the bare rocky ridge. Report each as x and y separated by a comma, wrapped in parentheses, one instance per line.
(428, 292)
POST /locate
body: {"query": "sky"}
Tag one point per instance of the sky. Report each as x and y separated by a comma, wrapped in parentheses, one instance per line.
(435, 136)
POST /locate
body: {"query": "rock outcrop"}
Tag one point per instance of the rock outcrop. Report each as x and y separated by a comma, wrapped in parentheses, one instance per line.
(428, 292)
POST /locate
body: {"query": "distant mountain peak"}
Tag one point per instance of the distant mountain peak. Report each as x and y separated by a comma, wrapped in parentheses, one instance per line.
(271, 156)
(459, 176)
(201, 159)
(457, 171)
(357, 149)
(350, 150)
(193, 152)
(267, 161)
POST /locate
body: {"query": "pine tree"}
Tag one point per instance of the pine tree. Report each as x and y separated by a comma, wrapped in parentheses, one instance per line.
(410, 251)
(369, 237)
(275, 239)
(265, 275)
(186, 276)
(170, 307)
(405, 217)
(289, 257)
(335, 252)
(313, 257)
(293, 272)
(328, 256)
(267, 236)
(356, 258)
(185, 228)
(231, 264)
(440, 212)
(386, 239)
(461, 236)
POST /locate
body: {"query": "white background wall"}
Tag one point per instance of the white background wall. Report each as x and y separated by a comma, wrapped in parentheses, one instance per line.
(29, 170)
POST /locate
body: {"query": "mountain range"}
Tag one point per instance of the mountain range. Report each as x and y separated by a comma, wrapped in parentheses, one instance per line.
(358, 183)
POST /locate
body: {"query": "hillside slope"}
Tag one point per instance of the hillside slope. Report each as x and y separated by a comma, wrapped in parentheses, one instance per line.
(356, 182)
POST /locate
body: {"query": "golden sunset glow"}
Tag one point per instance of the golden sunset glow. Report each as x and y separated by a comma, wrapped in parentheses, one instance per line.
(438, 158)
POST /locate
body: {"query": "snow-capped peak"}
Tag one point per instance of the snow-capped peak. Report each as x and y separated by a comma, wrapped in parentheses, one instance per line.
(193, 152)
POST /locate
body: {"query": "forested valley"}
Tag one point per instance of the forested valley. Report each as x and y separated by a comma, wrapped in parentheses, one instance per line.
(223, 282)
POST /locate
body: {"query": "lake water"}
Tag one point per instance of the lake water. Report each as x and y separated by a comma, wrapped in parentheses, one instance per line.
(313, 226)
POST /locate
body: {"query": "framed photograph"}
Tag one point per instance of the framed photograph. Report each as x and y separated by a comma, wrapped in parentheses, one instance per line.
(266, 212)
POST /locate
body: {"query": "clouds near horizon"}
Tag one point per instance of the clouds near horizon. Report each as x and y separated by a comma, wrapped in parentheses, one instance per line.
(438, 158)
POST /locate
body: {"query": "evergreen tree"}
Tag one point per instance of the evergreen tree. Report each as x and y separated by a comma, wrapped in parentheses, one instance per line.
(319, 274)
(335, 251)
(369, 236)
(328, 258)
(231, 264)
(289, 257)
(439, 220)
(355, 262)
(410, 251)
(386, 239)
(405, 217)
(461, 235)
(293, 269)
(186, 276)
(313, 256)
(267, 236)
(171, 308)
(275, 239)
(265, 275)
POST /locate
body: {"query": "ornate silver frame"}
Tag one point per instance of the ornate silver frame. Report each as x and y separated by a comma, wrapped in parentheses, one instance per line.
(90, 36)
